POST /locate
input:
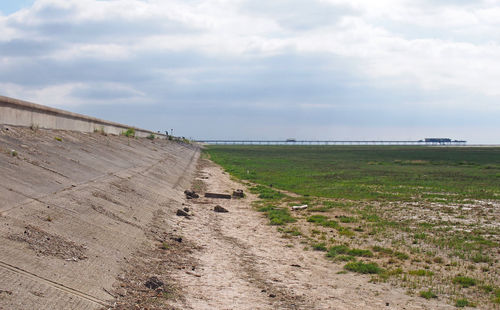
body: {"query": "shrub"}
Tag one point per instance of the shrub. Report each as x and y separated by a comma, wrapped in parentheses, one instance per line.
(151, 137)
(365, 268)
(129, 132)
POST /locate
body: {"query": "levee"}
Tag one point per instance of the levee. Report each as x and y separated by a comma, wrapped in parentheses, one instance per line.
(74, 206)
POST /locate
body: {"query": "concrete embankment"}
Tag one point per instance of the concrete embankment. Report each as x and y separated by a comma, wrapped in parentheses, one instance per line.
(26, 114)
(75, 206)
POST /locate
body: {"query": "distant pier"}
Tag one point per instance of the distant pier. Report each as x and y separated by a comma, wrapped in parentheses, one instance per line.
(335, 142)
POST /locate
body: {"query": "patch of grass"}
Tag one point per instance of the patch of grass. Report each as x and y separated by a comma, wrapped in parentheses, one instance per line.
(464, 281)
(343, 249)
(294, 231)
(347, 219)
(14, 153)
(365, 268)
(278, 216)
(480, 258)
(462, 302)
(345, 258)
(323, 221)
(337, 250)
(58, 139)
(401, 255)
(496, 296)
(428, 294)
(165, 245)
(266, 192)
(383, 250)
(360, 252)
(319, 246)
(151, 137)
(421, 273)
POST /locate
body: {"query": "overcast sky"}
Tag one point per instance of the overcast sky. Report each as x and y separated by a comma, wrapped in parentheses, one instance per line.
(264, 69)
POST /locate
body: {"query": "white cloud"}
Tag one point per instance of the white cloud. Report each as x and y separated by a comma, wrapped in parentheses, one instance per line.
(254, 53)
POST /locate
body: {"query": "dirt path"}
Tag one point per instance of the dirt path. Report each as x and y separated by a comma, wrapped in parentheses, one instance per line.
(245, 264)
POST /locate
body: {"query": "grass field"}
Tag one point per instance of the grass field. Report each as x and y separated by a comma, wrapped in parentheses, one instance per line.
(423, 218)
(359, 172)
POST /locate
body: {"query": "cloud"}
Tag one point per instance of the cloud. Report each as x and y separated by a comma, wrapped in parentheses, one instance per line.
(287, 65)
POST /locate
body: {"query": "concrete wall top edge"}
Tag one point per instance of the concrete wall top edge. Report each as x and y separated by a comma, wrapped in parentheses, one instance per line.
(25, 105)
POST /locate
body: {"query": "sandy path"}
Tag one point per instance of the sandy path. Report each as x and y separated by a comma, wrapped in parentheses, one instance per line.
(243, 263)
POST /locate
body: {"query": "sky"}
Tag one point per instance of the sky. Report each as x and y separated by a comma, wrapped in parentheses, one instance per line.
(255, 69)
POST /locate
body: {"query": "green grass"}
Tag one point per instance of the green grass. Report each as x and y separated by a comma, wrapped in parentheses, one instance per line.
(323, 221)
(278, 216)
(421, 273)
(129, 133)
(462, 302)
(265, 192)
(428, 294)
(368, 172)
(343, 249)
(319, 247)
(464, 281)
(361, 267)
(426, 214)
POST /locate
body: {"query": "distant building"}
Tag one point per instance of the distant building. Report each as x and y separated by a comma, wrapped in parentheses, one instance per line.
(438, 140)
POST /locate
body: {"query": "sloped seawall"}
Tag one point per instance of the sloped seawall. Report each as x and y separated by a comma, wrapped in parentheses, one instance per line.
(75, 206)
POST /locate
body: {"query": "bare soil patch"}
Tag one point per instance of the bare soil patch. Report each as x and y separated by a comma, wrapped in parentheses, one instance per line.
(45, 243)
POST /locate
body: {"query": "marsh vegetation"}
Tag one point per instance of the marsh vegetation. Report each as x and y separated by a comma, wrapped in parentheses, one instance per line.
(423, 218)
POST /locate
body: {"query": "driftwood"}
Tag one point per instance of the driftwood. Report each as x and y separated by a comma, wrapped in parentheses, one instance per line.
(215, 195)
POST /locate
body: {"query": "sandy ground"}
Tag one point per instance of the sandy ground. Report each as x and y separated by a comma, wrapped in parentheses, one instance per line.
(243, 263)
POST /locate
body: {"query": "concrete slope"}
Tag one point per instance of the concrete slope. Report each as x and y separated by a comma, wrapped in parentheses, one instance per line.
(74, 206)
